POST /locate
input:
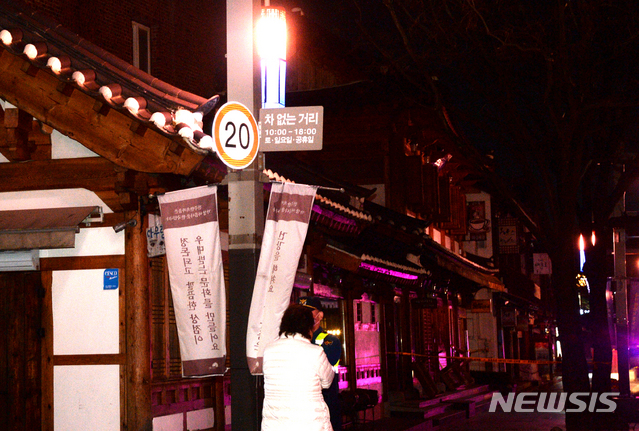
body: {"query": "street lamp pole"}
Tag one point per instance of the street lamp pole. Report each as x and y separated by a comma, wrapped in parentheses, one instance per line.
(246, 213)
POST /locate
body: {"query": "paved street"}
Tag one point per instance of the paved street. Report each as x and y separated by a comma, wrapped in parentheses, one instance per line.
(500, 421)
(497, 421)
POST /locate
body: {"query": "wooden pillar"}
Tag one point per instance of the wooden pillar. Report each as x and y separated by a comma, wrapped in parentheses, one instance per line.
(406, 376)
(383, 349)
(20, 351)
(391, 325)
(47, 351)
(220, 424)
(350, 344)
(138, 345)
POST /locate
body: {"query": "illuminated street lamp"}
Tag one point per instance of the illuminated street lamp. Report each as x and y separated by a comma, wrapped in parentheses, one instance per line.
(271, 47)
(582, 252)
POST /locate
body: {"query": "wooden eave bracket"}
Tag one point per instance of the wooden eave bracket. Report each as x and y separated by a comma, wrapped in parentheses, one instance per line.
(65, 88)
(29, 68)
(101, 108)
(18, 125)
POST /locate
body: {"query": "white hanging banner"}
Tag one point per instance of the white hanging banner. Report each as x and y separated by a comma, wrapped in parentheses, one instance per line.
(194, 258)
(287, 219)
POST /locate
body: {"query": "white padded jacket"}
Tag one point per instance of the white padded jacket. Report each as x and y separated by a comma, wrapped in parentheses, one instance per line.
(295, 371)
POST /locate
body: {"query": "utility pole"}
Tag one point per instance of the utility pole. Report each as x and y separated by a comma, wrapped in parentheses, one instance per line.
(246, 213)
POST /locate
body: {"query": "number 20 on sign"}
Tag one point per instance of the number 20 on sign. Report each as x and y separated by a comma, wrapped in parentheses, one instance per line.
(236, 135)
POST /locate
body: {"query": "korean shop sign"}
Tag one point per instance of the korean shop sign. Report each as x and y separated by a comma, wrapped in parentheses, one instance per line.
(291, 129)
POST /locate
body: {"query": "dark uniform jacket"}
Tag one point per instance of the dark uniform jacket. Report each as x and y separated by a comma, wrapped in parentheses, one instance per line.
(333, 349)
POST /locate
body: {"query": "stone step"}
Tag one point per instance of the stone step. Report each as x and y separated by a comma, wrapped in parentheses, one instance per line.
(461, 403)
(448, 418)
(464, 393)
(471, 404)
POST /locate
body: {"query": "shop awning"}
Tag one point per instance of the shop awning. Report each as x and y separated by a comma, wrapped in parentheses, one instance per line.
(463, 267)
(486, 280)
(43, 228)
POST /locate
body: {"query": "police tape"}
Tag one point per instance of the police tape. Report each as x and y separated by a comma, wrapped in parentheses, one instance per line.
(496, 360)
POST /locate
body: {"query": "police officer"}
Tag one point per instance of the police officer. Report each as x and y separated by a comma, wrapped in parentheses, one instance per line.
(333, 350)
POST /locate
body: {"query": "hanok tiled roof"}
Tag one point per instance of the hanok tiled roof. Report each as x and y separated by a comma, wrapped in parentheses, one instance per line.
(329, 213)
(391, 245)
(83, 66)
(435, 253)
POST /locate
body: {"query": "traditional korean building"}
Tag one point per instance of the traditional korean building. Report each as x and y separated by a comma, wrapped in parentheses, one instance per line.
(93, 132)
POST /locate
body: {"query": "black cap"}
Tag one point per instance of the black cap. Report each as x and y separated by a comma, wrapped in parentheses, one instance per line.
(311, 302)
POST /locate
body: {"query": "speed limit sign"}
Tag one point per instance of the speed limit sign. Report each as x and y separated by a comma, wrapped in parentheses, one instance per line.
(235, 134)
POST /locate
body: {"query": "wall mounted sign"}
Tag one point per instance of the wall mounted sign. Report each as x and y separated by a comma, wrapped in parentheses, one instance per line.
(155, 237)
(508, 317)
(111, 279)
(542, 263)
(508, 235)
(424, 303)
(481, 306)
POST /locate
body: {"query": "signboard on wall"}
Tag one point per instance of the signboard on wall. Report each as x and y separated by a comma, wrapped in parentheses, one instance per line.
(155, 236)
(481, 306)
(478, 223)
(508, 235)
(111, 279)
(508, 317)
(424, 303)
(542, 263)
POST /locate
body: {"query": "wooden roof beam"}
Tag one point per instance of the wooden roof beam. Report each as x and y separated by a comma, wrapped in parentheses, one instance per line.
(117, 187)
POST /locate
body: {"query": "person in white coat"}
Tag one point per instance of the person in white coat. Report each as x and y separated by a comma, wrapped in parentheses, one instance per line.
(295, 371)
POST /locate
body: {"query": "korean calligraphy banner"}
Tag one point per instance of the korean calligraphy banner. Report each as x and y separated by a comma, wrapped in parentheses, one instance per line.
(287, 219)
(194, 258)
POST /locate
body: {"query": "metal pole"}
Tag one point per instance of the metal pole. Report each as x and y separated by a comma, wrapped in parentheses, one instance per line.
(246, 214)
(621, 309)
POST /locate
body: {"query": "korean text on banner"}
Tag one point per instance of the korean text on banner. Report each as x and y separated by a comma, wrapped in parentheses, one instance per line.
(194, 257)
(287, 219)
